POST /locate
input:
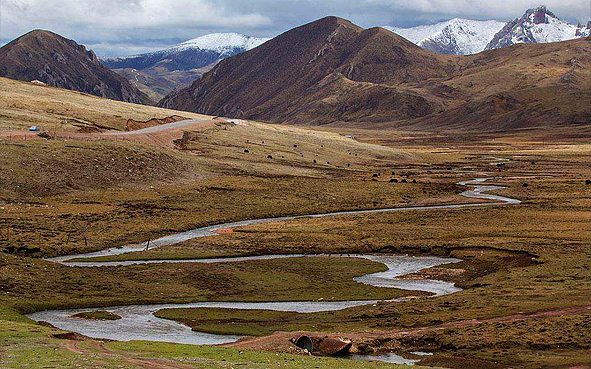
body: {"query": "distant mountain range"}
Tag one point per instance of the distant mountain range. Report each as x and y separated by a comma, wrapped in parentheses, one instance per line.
(465, 37)
(537, 26)
(160, 72)
(456, 36)
(334, 72)
(193, 54)
(56, 61)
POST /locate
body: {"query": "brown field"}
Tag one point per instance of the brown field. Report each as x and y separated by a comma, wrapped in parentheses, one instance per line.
(525, 273)
(26, 104)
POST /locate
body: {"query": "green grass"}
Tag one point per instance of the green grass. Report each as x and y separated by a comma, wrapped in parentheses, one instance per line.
(24, 344)
(220, 357)
(97, 315)
(30, 285)
(242, 322)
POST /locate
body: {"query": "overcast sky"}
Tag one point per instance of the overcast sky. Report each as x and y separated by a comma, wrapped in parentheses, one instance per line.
(123, 27)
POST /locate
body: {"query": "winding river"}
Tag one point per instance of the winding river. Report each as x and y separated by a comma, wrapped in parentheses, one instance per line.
(139, 323)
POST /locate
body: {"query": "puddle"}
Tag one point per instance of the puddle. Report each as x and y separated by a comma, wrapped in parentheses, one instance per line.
(387, 358)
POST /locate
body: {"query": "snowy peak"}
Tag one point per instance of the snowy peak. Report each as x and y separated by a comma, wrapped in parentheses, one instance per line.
(537, 25)
(456, 36)
(193, 54)
(540, 15)
(222, 43)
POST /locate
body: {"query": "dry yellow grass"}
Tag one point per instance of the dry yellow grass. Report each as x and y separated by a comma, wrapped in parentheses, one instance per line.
(114, 192)
(25, 104)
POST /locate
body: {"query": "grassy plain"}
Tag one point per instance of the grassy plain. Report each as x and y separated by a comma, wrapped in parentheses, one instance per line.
(518, 259)
(56, 193)
(66, 196)
(28, 345)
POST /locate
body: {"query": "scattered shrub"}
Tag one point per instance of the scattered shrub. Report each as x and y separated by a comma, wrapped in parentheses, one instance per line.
(393, 180)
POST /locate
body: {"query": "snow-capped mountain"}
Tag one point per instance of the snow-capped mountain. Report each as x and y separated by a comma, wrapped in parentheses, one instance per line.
(223, 43)
(456, 36)
(193, 54)
(537, 25)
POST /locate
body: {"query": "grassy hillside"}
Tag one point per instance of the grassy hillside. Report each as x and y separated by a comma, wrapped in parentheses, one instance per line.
(26, 104)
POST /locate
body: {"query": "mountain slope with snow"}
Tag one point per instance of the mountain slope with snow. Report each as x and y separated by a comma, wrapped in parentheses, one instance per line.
(193, 54)
(537, 25)
(223, 43)
(456, 36)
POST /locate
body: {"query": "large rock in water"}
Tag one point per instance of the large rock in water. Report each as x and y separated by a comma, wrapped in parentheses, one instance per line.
(56, 61)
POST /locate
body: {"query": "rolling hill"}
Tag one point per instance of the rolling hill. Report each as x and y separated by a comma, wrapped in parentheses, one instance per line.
(56, 61)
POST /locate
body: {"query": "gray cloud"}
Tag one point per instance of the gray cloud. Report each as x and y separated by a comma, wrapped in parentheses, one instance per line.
(121, 27)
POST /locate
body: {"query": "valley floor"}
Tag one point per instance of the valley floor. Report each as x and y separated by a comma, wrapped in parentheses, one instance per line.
(525, 271)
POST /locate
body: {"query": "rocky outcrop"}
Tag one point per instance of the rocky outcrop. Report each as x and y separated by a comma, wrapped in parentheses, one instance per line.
(538, 25)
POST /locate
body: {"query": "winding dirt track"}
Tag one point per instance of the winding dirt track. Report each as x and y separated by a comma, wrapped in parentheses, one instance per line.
(98, 348)
(161, 135)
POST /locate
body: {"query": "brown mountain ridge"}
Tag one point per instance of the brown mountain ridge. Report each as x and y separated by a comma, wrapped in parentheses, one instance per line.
(334, 72)
(56, 61)
(327, 70)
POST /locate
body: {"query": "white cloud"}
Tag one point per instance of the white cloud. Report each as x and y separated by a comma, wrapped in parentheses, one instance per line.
(117, 27)
(121, 20)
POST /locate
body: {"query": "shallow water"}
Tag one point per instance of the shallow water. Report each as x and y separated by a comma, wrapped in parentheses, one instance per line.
(387, 358)
(139, 323)
(478, 192)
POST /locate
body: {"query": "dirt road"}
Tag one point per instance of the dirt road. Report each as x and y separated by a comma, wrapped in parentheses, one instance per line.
(160, 135)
